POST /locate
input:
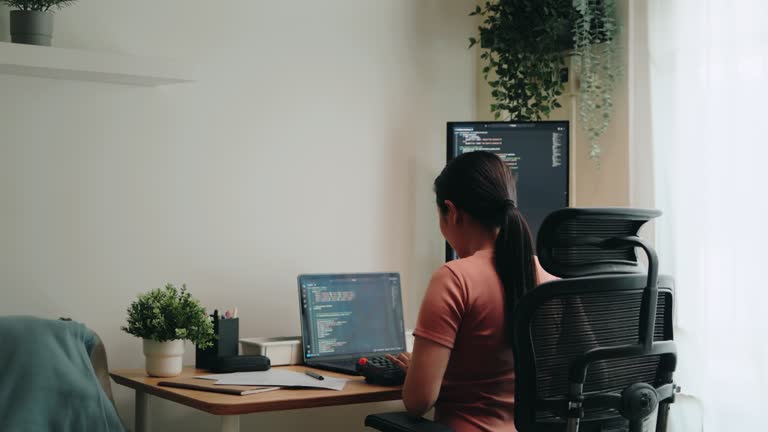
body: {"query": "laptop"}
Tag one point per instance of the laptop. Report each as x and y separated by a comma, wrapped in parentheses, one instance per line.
(348, 316)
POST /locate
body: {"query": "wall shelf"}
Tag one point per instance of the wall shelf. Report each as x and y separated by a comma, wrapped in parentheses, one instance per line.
(77, 65)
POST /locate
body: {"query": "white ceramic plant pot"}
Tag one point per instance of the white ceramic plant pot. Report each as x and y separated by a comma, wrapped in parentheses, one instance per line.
(163, 359)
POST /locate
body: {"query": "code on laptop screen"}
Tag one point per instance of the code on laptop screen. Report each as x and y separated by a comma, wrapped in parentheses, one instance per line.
(351, 314)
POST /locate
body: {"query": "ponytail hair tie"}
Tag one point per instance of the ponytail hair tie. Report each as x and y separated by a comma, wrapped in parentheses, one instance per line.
(505, 205)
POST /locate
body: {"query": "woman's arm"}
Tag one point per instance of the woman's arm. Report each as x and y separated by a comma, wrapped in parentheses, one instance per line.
(440, 317)
(424, 374)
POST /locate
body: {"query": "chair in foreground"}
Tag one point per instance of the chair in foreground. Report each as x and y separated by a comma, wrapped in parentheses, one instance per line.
(594, 351)
(54, 376)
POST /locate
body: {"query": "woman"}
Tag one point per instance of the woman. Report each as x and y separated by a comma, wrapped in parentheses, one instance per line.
(462, 357)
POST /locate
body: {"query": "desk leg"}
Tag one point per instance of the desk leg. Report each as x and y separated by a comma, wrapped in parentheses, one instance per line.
(230, 423)
(142, 412)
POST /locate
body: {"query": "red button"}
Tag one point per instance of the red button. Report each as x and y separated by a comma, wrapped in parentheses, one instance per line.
(362, 361)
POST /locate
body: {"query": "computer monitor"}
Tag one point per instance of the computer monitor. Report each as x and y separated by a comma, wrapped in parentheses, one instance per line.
(351, 315)
(535, 152)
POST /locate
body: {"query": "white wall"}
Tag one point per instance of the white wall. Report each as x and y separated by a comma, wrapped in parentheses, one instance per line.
(309, 145)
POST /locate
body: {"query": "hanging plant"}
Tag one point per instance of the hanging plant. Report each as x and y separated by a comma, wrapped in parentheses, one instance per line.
(525, 45)
(596, 63)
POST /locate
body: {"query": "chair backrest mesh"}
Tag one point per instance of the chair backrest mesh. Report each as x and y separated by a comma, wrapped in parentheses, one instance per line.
(569, 241)
(581, 255)
(568, 326)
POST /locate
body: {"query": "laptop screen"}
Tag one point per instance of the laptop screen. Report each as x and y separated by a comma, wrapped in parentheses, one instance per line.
(344, 314)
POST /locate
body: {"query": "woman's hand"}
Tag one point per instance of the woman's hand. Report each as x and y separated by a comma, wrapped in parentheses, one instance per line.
(403, 360)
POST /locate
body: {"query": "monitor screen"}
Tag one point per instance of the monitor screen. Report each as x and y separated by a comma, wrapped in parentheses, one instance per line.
(535, 152)
(351, 314)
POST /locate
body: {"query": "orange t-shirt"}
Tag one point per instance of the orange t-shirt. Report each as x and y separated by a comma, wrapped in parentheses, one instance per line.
(463, 309)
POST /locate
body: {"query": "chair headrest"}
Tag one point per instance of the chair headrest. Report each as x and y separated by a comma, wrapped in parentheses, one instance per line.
(575, 242)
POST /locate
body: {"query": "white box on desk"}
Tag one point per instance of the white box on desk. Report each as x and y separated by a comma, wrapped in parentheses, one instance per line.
(284, 350)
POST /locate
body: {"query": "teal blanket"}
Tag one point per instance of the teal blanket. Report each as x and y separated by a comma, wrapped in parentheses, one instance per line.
(47, 382)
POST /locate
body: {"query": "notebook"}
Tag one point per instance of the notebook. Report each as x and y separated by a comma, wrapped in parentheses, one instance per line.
(211, 386)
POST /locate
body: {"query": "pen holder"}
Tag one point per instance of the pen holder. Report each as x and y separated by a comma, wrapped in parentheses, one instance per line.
(225, 343)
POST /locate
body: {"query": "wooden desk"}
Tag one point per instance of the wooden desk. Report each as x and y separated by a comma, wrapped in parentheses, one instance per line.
(230, 407)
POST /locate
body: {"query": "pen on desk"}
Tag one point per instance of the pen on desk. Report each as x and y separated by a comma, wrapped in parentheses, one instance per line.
(314, 375)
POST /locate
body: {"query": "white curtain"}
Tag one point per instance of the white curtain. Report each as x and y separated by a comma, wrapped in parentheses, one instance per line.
(709, 127)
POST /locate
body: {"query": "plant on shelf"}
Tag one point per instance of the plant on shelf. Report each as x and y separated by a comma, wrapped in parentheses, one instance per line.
(525, 46)
(164, 318)
(32, 20)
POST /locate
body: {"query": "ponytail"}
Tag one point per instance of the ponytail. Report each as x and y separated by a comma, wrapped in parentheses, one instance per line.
(481, 185)
(514, 261)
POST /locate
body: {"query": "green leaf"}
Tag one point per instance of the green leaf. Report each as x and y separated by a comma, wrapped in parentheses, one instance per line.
(521, 40)
(168, 314)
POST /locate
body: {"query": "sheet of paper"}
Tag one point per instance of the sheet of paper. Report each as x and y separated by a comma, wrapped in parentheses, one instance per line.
(217, 376)
(278, 378)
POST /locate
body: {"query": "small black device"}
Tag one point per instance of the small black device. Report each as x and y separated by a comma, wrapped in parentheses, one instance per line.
(380, 372)
(245, 363)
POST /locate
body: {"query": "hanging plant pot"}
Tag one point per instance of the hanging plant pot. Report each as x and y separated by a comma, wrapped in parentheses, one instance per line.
(31, 27)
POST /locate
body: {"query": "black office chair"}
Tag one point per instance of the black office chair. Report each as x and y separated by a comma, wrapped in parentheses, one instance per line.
(594, 351)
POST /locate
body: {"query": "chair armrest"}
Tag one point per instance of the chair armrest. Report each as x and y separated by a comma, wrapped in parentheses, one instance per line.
(403, 422)
(101, 368)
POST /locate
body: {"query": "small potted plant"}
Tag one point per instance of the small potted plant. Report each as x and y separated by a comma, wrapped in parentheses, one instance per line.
(32, 20)
(164, 318)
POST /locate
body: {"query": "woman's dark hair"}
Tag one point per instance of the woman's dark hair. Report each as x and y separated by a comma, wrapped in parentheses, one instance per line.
(483, 187)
